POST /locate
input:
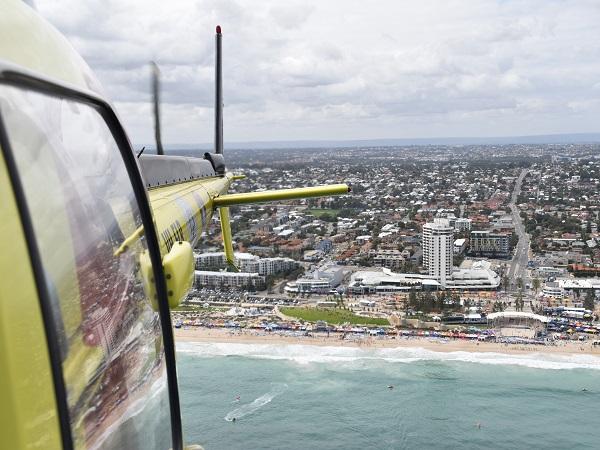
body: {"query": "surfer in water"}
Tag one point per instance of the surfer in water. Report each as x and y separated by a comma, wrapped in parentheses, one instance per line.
(237, 399)
(390, 387)
(233, 420)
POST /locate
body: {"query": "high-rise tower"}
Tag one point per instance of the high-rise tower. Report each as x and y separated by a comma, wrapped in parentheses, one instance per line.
(438, 238)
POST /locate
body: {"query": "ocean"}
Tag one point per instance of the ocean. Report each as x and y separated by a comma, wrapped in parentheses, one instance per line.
(310, 397)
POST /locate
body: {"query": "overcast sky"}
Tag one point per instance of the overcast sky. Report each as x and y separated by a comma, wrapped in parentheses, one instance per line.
(345, 69)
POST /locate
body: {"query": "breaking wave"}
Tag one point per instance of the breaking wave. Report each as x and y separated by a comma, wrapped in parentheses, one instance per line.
(261, 401)
(308, 354)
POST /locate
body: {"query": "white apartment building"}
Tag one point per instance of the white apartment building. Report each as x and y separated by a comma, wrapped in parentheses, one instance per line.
(213, 260)
(264, 266)
(206, 278)
(246, 262)
(438, 243)
(487, 243)
(462, 224)
(392, 259)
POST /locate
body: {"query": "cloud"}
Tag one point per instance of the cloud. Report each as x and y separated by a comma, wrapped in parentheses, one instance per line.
(340, 70)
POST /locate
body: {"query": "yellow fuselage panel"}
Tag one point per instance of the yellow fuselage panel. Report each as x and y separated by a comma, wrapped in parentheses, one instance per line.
(28, 415)
(182, 211)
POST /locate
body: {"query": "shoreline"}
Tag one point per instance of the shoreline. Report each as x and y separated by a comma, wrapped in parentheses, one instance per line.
(223, 336)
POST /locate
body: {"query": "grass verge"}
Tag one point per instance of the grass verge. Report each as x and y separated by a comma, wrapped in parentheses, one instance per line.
(332, 316)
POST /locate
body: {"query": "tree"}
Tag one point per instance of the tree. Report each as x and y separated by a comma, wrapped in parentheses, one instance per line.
(270, 283)
(514, 240)
(455, 300)
(412, 299)
(498, 307)
(519, 303)
(536, 283)
(428, 302)
(520, 283)
(457, 260)
(440, 300)
(505, 282)
(588, 302)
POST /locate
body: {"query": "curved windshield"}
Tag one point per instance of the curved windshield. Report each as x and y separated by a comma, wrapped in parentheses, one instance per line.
(83, 208)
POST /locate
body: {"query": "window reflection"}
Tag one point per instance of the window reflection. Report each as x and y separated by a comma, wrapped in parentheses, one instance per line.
(83, 207)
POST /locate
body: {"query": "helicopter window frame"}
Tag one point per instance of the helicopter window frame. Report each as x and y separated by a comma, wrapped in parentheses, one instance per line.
(15, 76)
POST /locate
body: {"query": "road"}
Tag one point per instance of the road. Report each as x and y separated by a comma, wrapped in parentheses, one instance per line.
(518, 265)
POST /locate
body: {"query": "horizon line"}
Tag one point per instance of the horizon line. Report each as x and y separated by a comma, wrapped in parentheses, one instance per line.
(555, 138)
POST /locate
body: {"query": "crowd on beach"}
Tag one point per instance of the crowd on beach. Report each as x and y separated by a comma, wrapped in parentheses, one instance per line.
(471, 341)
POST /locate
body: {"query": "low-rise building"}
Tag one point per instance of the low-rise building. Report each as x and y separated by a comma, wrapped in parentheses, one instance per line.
(325, 245)
(460, 245)
(346, 224)
(385, 281)
(546, 272)
(553, 290)
(504, 224)
(487, 243)
(320, 281)
(237, 280)
(313, 255)
(392, 259)
(286, 234)
(477, 277)
(212, 260)
(363, 239)
(267, 266)
(462, 224)
(579, 286)
(246, 262)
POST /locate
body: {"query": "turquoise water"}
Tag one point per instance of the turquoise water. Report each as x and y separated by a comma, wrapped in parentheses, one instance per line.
(302, 397)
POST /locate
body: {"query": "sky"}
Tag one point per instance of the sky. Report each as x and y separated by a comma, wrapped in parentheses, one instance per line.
(344, 69)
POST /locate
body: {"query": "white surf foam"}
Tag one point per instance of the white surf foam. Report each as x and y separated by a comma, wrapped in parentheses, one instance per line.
(261, 401)
(308, 354)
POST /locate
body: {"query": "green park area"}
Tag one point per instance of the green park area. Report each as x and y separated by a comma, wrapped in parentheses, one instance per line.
(332, 316)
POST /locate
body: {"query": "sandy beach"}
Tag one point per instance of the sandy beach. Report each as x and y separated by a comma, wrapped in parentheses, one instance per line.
(220, 335)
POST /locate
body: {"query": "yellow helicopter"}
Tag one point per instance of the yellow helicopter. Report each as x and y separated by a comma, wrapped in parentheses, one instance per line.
(95, 248)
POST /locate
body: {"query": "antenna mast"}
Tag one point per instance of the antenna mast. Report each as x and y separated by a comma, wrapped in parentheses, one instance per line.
(218, 93)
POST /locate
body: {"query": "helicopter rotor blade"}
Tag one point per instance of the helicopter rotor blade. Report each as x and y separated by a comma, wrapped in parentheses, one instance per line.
(156, 104)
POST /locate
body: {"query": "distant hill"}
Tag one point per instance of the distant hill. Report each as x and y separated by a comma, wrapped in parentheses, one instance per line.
(575, 138)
